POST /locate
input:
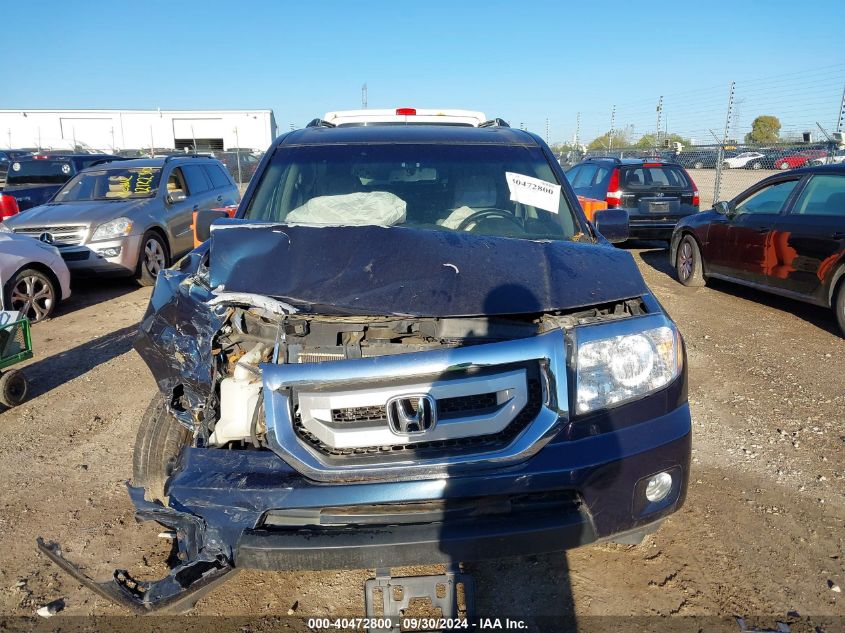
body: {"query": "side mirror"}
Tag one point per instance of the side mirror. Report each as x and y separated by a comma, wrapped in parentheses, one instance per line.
(203, 221)
(723, 208)
(176, 196)
(612, 224)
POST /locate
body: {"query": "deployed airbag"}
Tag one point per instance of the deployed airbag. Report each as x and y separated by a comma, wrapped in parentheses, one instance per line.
(375, 208)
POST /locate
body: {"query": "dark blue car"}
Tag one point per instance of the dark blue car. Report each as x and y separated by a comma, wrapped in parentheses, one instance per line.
(33, 180)
(409, 346)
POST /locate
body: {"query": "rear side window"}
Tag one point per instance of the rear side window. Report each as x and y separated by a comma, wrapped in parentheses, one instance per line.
(584, 176)
(657, 176)
(218, 178)
(39, 172)
(823, 195)
(197, 180)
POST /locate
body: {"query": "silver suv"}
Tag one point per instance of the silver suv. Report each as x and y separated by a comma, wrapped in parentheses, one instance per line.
(132, 218)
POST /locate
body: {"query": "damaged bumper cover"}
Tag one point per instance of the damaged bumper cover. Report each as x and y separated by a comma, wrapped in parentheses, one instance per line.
(180, 589)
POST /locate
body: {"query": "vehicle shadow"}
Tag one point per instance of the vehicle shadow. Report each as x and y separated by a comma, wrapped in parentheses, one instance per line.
(89, 291)
(822, 318)
(48, 373)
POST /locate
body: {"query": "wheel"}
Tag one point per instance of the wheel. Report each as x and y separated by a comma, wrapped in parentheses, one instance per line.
(698, 165)
(152, 259)
(839, 306)
(783, 166)
(13, 388)
(32, 293)
(756, 165)
(688, 263)
(726, 165)
(159, 442)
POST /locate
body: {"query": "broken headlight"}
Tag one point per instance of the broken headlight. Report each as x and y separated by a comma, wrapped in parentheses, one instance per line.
(613, 367)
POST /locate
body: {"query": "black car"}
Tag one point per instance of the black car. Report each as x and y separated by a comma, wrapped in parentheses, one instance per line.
(694, 159)
(785, 235)
(655, 193)
(33, 180)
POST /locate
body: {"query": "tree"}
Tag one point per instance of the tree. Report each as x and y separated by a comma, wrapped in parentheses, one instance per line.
(647, 141)
(620, 139)
(764, 129)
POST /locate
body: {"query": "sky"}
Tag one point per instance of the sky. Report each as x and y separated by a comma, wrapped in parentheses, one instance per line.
(526, 62)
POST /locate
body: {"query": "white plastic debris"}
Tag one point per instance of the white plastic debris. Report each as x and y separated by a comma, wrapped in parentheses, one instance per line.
(51, 609)
(379, 208)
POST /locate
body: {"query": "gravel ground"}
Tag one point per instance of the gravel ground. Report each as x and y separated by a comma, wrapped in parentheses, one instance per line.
(761, 533)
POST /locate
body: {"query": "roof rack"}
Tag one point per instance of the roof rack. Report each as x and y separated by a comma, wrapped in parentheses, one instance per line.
(613, 158)
(497, 122)
(319, 123)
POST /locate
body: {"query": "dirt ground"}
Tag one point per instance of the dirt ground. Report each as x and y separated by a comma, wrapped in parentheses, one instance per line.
(761, 533)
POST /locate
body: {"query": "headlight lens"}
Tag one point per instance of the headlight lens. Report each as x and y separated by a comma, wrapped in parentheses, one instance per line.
(4, 228)
(616, 369)
(113, 228)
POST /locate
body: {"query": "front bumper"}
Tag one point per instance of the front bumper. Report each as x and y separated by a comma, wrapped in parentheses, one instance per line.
(233, 491)
(95, 258)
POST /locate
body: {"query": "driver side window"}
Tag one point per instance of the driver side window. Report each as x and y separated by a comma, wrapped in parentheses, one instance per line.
(767, 200)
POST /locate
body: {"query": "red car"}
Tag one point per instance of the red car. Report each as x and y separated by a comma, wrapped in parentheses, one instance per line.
(798, 159)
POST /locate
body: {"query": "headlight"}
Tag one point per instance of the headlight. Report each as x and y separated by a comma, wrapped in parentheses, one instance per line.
(4, 228)
(112, 228)
(620, 368)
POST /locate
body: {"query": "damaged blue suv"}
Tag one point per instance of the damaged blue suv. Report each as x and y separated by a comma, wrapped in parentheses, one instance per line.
(409, 346)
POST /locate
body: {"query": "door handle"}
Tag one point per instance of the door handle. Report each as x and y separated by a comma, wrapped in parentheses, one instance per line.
(219, 198)
(763, 229)
(838, 235)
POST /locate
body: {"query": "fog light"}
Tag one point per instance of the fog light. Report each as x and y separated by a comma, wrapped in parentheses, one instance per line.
(658, 487)
(109, 252)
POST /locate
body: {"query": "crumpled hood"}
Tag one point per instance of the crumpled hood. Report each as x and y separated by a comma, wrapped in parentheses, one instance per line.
(95, 212)
(370, 270)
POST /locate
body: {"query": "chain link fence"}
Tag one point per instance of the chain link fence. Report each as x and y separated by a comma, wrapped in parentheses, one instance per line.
(727, 137)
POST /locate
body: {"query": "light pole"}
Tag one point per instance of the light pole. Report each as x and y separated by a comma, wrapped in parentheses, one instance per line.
(238, 155)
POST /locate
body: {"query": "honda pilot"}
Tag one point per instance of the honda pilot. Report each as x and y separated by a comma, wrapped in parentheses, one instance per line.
(409, 346)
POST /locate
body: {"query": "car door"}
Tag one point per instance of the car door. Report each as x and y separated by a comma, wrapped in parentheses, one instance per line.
(810, 238)
(225, 192)
(739, 244)
(179, 213)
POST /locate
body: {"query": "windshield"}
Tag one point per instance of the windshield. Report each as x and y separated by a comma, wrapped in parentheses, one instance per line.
(503, 190)
(111, 184)
(39, 172)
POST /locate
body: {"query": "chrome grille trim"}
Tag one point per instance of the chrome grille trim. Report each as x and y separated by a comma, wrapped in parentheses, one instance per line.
(548, 350)
(63, 235)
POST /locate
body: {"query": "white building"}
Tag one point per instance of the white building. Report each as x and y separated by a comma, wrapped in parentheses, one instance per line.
(113, 130)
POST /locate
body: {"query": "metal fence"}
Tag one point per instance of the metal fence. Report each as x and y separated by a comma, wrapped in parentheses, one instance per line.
(728, 137)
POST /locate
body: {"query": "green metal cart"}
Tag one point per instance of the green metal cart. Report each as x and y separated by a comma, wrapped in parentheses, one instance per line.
(15, 346)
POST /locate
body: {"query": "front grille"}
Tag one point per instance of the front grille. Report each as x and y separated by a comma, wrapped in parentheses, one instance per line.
(523, 506)
(63, 235)
(426, 450)
(475, 404)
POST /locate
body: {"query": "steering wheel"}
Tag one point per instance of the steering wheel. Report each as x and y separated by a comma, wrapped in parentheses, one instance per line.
(483, 214)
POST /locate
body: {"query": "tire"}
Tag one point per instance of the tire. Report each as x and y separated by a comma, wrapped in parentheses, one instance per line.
(154, 257)
(726, 166)
(839, 306)
(698, 165)
(756, 165)
(13, 388)
(688, 263)
(33, 293)
(159, 442)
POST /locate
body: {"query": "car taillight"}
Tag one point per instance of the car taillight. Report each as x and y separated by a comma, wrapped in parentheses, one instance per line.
(406, 111)
(8, 207)
(40, 157)
(614, 196)
(696, 200)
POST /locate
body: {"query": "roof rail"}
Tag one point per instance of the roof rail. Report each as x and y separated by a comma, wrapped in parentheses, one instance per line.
(319, 123)
(497, 122)
(613, 158)
(170, 157)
